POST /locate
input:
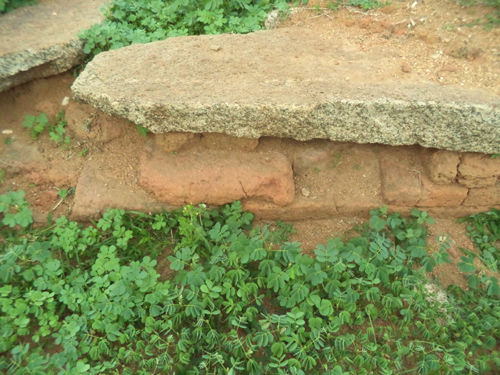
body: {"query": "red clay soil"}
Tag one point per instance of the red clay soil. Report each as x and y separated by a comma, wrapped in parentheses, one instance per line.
(438, 40)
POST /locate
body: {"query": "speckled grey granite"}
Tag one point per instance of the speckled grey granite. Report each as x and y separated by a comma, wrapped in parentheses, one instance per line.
(286, 83)
(42, 40)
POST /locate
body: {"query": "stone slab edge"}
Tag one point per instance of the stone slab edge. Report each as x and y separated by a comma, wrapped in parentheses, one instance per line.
(450, 126)
(48, 44)
(21, 67)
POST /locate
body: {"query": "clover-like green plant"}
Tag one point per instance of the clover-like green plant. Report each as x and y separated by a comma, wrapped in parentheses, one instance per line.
(228, 298)
(57, 132)
(129, 22)
(14, 209)
(484, 231)
(37, 124)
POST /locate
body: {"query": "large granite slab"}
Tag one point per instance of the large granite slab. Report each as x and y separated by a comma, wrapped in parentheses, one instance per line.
(287, 83)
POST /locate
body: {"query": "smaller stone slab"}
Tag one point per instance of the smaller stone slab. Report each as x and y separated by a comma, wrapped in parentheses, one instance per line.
(217, 177)
(42, 40)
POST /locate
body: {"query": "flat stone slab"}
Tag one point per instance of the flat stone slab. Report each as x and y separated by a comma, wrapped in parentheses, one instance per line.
(42, 40)
(286, 83)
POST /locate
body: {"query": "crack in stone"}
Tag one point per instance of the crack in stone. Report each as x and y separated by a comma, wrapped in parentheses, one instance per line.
(467, 196)
(457, 176)
(416, 171)
(242, 188)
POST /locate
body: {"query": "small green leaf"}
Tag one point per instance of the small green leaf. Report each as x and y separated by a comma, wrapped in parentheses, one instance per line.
(377, 223)
(82, 367)
(24, 217)
(6, 290)
(467, 264)
(28, 274)
(9, 219)
(326, 308)
(473, 281)
(277, 349)
(417, 251)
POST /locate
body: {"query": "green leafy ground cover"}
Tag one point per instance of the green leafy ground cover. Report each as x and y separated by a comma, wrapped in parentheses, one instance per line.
(9, 5)
(128, 22)
(484, 231)
(235, 300)
(39, 124)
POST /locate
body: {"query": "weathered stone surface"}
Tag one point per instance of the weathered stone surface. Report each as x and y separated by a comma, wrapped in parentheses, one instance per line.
(401, 186)
(404, 185)
(293, 90)
(477, 170)
(357, 205)
(218, 141)
(89, 124)
(22, 158)
(300, 209)
(311, 158)
(488, 196)
(57, 175)
(216, 178)
(97, 191)
(306, 209)
(42, 40)
(442, 166)
(174, 141)
(433, 195)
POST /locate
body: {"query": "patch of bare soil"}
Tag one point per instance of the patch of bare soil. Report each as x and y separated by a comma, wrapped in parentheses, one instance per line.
(44, 95)
(163, 266)
(436, 40)
(448, 274)
(42, 168)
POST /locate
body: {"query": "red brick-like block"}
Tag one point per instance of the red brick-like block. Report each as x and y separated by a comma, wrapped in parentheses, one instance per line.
(401, 184)
(301, 209)
(311, 158)
(217, 177)
(20, 157)
(434, 195)
(478, 170)
(407, 185)
(58, 175)
(175, 141)
(442, 166)
(87, 123)
(488, 196)
(97, 190)
(220, 141)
